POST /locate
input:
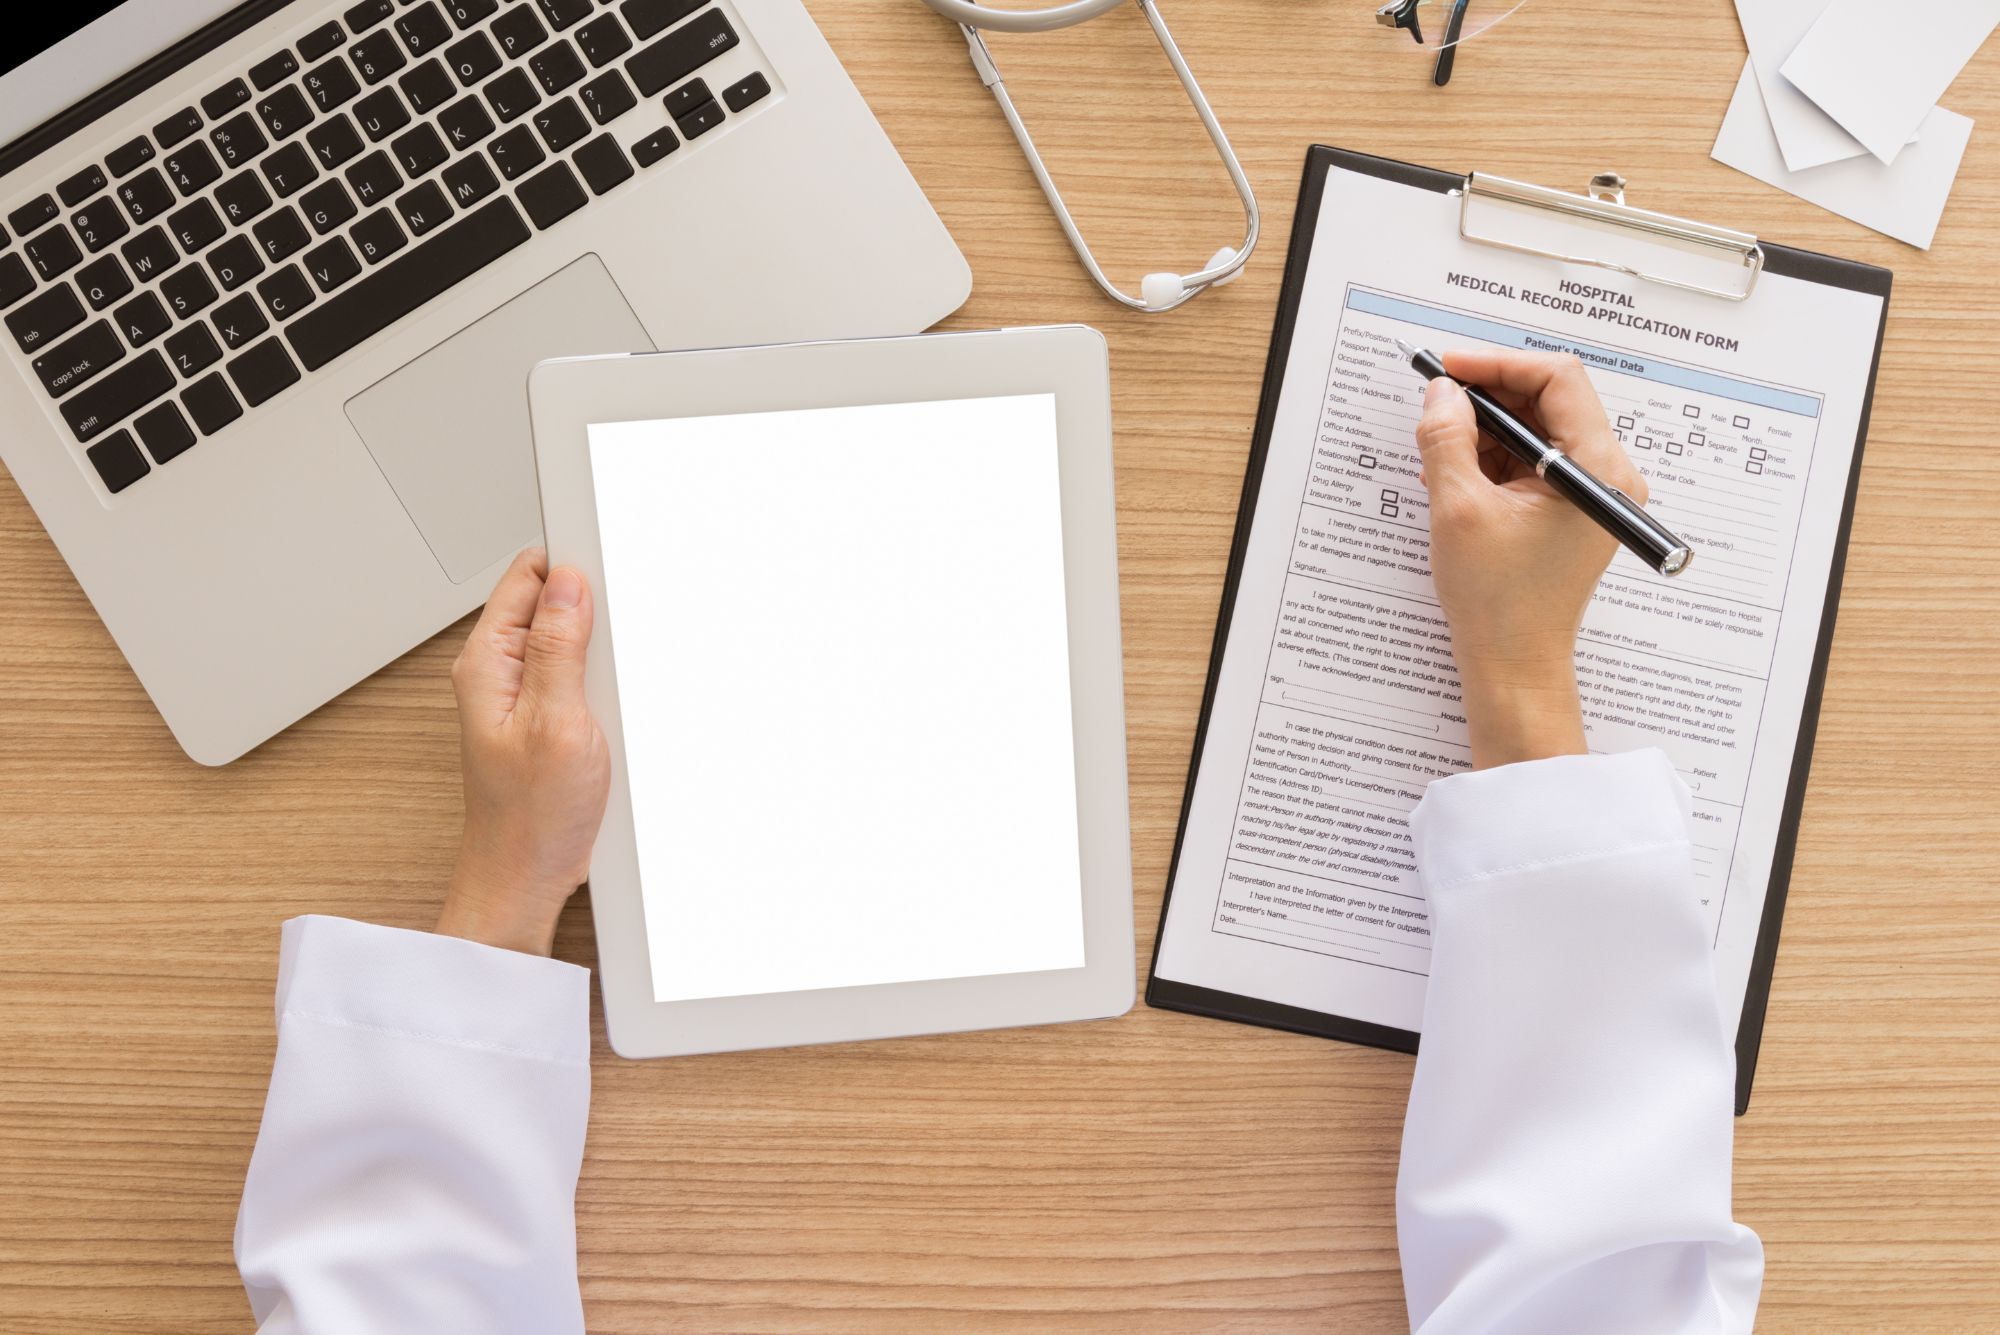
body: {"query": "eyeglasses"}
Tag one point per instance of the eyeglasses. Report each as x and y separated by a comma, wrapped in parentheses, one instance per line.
(1440, 27)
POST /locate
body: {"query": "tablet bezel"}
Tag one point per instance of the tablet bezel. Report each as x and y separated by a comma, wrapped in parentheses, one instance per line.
(1070, 361)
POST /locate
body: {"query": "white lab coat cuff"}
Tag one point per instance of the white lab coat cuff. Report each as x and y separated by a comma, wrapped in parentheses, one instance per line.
(1495, 822)
(436, 989)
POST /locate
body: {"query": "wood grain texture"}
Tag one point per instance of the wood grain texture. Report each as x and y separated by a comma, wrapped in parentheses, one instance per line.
(1157, 1172)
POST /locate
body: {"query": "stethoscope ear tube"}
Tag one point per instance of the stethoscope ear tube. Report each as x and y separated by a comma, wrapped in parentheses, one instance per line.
(1159, 294)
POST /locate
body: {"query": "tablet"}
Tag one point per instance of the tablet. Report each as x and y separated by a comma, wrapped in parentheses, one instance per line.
(857, 659)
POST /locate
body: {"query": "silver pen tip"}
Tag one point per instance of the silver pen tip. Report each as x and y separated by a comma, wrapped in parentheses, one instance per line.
(1405, 349)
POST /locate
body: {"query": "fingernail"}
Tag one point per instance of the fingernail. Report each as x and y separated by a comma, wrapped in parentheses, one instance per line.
(564, 589)
(1440, 392)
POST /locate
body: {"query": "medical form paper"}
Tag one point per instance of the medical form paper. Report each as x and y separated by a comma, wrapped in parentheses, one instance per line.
(1336, 700)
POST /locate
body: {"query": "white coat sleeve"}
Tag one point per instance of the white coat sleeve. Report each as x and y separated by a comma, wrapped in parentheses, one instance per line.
(416, 1169)
(1566, 1155)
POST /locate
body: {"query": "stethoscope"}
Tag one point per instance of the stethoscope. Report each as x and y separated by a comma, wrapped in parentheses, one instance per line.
(1157, 291)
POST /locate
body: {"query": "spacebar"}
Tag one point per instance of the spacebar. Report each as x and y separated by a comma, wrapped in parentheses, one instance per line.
(447, 258)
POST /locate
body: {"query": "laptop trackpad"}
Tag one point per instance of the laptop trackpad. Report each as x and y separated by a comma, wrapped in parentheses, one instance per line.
(450, 429)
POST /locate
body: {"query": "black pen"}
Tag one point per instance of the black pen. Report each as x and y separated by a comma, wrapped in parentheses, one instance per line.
(1615, 512)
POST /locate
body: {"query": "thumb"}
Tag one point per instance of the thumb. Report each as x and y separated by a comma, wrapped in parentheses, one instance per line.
(1448, 437)
(552, 677)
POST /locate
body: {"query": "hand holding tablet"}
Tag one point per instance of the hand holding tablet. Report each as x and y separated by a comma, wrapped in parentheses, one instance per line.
(858, 665)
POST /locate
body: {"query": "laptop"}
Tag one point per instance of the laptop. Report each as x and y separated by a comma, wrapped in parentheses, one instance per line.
(272, 288)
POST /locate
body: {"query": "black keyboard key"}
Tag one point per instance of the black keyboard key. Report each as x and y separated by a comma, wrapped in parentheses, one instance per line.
(286, 112)
(700, 121)
(235, 262)
(192, 350)
(321, 42)
(562, 13)
(654, 147)
(374, 179)
(82, 185)
(179, 126)
(334, 141)
(264, 372)
(118, 462)
(330, 85)
(561, 124)
(39, 322)
(225, 99)
(681, 52)
(470, 13)
(16, 282)
(419, 152)
(116, 395)
(423, 208)
(472, 59)
(242, 198)
(607, 97)
(650, 16)
(192, 169)
(378, 236)
(367, 14)
(427, 86)
(211, 405)
(240, 320)
(687, 97)
(465, 123)
(188, 291)
(603, 40)
(53, 253)
(150, 254)
(512, 95)
(143, 319)
(273, 70)
(327, 205)
(238, 139)
(290, 170)
(469, 180)
(128, 158)
(103, 282)
(381, 114)
(286, 292)
(745, 91)
(164, 431)
(146, 196)
(75, 361)
(516, 153)
(556, 67)
(518, 31)
(552, 194)
(331, 264)
(99, 223)
(447, 258)
(423, 29)
(377, 56)
(282, 234)
(603, 164)
(34, 213)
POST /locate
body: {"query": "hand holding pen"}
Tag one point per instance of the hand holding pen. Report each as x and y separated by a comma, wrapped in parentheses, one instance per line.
(1514, 562)
(1612, 509)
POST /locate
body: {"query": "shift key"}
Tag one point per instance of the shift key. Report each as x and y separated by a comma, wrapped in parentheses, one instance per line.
(103, 405)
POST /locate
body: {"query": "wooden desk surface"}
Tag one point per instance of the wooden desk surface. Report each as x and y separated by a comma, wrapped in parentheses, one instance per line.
(1157, 1172)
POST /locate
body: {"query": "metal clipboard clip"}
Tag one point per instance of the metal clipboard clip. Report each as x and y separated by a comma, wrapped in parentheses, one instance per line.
(1687, 250)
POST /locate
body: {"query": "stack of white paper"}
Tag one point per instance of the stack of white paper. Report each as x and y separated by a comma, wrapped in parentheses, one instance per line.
(1838, 105)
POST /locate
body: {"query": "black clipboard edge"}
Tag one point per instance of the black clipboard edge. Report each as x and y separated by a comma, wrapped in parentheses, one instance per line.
(1167, 994)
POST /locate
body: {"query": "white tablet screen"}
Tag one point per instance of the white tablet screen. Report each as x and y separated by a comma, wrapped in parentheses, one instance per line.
(843, 667)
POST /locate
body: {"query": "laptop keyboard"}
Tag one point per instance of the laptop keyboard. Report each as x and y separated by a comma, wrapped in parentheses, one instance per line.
(332, 188)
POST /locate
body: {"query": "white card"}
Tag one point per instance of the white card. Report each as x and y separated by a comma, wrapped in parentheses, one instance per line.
(1808, 136)
(1878, 69)
(1903, 199)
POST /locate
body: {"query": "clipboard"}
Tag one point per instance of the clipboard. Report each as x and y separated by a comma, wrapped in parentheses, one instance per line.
(1746, 259)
